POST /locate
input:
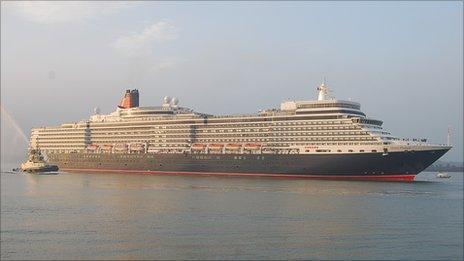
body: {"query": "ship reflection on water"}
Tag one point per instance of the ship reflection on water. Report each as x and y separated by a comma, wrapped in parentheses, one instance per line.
(117, 216)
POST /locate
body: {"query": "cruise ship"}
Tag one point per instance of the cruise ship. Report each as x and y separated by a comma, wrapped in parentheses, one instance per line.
(319, 139)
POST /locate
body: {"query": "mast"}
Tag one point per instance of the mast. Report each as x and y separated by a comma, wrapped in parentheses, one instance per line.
(448, 137)
(323, 91)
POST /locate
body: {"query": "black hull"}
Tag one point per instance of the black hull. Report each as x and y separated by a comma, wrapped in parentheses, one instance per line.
(395, 166)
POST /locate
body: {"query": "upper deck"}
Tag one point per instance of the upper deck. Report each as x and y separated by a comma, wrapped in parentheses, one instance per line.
(324, 107)
(172, 128)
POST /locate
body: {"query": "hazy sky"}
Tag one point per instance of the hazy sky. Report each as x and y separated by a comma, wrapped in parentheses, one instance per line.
(402, 61)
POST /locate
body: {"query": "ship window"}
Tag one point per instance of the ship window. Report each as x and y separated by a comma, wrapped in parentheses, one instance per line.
(339, 150)
(361, 150)
(374, 150)
(350, 150)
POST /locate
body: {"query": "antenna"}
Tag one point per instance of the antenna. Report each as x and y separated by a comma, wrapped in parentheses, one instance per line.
(448, 137)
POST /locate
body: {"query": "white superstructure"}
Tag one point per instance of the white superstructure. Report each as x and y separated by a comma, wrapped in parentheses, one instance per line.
(322, 126)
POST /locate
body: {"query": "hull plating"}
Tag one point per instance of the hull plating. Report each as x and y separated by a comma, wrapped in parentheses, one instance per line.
(396, 166)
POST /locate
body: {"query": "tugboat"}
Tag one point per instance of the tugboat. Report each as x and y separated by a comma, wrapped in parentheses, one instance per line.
(36, 163)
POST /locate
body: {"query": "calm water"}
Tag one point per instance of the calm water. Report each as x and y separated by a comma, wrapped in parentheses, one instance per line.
(117, 216)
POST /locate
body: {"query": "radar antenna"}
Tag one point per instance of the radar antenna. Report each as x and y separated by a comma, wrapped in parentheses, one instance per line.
(448, 137)
(323, 91)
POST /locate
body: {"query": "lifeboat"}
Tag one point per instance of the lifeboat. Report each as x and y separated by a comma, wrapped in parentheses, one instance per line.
(252, 146)
(268, 150)
(198, 146)
(233, 146)
(216, 146)
(120, 147)
(137, 147)
(92, 147)
(106, 147)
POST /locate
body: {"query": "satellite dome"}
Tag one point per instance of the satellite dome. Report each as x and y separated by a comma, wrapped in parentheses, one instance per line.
(175, 101)
(167, 99)
(96, 110)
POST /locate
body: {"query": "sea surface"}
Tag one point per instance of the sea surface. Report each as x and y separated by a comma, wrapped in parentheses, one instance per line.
(130, 216)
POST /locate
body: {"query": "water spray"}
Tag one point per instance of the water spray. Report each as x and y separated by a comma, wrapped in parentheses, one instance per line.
(10, 120)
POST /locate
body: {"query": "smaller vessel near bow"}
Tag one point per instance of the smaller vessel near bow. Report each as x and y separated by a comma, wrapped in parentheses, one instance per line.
(36, 163)
(443, 175)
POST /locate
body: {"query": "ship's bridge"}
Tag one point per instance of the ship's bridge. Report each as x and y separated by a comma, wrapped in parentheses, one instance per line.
(324, 105)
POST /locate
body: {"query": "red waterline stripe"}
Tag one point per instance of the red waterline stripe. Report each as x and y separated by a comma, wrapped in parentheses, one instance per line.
(325, 177)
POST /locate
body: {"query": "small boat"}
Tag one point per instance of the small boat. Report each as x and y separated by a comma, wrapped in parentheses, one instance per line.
(137, 147)
(252, 146)
(215, 146)
(92, 147)
(36, 163)
(107, 147)
(120, 147)
(232, 146)
(443, 175)
(198, 146)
